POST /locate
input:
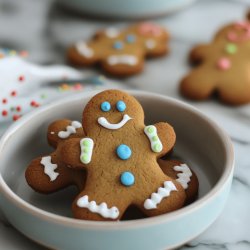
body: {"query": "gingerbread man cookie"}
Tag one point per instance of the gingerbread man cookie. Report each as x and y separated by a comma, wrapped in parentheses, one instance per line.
(111, 151)
(182, 173)
(222, 67)
(121, 53)
(49, 174)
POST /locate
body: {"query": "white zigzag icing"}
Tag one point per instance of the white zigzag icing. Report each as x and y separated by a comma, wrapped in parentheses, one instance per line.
(49, 168)
(101, 209)
(162, 192)
(71, 129)
(185, 176)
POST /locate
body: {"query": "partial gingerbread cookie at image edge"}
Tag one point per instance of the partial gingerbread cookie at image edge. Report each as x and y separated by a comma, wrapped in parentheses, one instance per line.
(115, 138)
(221, 67)
(182, 173)
(121, 53)
(47, 174)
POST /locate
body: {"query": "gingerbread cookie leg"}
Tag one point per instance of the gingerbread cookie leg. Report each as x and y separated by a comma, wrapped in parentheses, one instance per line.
(197, 85)
(184, 175)
(123, 64)
(234, 94)
(98, 204)
(47, 175)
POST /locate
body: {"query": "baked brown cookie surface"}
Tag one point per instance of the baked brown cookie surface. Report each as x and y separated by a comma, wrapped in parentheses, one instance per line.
(49, 174)
(221, 67)
(121, 53)
(117, 176)
(182, 173)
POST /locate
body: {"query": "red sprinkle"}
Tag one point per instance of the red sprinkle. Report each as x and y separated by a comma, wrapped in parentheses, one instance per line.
(18, 108)
(4, 101)
(13, 93)
(32, 103)
(21, 78)
(16, 117)
(23, 53)
(4, 113)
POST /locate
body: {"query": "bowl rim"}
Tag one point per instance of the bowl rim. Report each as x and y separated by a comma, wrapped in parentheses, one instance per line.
(118, 225)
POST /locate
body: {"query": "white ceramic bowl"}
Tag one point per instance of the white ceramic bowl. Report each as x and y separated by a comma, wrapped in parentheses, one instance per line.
(131, 9)
(46, 218)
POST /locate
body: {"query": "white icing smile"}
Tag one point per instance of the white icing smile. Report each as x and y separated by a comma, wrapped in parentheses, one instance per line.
(105, 123)
(101, 209)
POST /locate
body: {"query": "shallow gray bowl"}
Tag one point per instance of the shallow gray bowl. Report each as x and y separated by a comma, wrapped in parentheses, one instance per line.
(46, 219)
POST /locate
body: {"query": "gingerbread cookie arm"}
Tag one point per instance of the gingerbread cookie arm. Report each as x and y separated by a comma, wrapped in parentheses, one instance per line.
(199, 53)
(63, 129)
(77, 152)
(162, 138)
(83, 53)
(47, 175)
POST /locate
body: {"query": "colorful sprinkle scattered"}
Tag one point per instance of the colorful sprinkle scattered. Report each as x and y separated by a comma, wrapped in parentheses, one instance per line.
(21, 78)
(4, 113)
(78, 86)
(18, 108)
(16, 117)
(4, 101)
(43, 96)
(13, 93)
(33, 103)
(23, 53)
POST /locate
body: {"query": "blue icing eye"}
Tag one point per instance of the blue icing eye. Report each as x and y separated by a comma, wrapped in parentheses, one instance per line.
(127, 179)
(121, 106)
(105, 106)
(130, 38)
(118, 45)
(123, 151)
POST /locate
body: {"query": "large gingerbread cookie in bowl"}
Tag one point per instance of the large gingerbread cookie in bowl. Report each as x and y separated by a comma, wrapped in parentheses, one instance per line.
(221, 67)
(120, 155)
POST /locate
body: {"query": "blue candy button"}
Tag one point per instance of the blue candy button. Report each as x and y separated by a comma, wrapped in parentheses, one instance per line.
(121, 106)
(127, 179)
(123, 151)
(105, 106)
(130, 38)
(118, 45)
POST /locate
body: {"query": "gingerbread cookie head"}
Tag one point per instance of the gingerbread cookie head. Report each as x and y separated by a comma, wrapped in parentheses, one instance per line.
(221, 67)
(111, 151)
(238, 32)
(112, 111)
(121, 52)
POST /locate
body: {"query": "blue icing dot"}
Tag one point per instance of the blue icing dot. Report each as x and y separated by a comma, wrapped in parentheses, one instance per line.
(127, 179)
(130, 38)
(121, 106)
(105, 106)
(118, 45)
(123, 151)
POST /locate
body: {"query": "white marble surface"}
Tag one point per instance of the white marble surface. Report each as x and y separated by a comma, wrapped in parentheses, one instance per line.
(52, 29)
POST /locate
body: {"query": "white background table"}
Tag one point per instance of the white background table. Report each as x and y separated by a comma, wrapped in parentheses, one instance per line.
(45, 30)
